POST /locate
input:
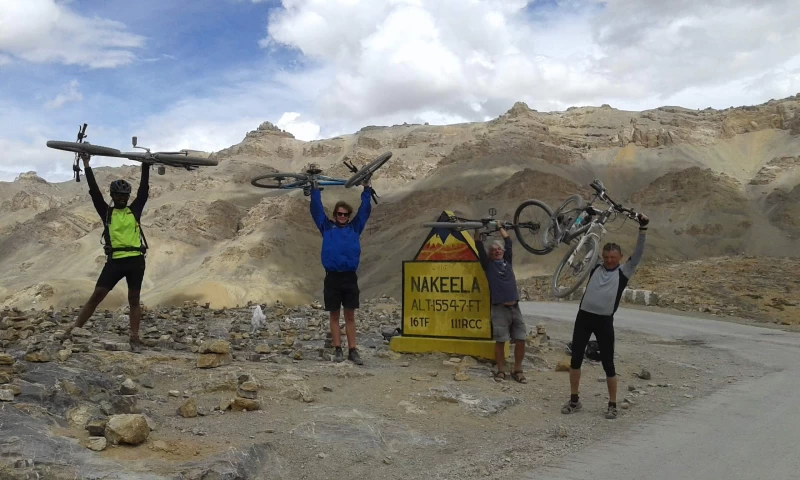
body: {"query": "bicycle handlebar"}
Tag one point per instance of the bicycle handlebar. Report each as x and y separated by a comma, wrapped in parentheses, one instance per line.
(598, 187)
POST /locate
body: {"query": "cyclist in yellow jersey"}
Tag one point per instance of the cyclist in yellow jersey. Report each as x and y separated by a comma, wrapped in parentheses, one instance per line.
(124, 245)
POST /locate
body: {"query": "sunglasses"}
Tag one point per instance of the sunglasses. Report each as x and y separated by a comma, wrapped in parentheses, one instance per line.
(342, 214)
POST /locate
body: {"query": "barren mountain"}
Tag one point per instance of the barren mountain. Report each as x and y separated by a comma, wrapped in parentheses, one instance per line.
(714, 182)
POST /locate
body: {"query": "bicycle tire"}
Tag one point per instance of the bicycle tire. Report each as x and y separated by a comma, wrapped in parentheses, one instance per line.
(594, 249)
(525, 244)
(454, 225)
(367, 169)
(300, 179)
(84, 147)
(185, 160)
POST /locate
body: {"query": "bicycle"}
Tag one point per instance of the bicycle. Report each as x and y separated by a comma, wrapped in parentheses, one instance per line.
(313, 176)
(459, 224)
(587, 225)
(180, 159)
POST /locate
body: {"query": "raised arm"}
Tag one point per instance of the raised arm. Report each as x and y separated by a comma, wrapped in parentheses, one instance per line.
(317, 211)
(507, 245)
(629, 267)
(94, 191)
(484, 259)
(137, 206)
(360, 221)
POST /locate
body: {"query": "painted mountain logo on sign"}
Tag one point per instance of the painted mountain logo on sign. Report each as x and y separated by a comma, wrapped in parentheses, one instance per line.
(445, 245)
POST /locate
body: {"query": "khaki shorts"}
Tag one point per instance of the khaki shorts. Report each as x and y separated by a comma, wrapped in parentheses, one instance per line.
(507, 323)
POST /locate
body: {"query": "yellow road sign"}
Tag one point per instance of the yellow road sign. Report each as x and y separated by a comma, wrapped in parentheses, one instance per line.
(446, 299)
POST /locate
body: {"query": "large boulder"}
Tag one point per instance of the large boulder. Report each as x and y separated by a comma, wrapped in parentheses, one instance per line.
(131, 429)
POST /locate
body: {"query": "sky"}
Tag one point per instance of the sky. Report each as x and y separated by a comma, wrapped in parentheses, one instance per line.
(200, 74)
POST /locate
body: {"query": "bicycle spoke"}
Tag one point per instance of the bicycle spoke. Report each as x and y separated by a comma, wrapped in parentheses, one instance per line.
(535, 227)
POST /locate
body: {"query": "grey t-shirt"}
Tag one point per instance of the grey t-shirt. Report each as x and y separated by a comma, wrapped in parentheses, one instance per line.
(499, 274)
(605, 287)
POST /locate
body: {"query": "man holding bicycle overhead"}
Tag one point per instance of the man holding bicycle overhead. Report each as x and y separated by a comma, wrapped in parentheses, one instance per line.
(341, 254)
(600, 301)
(507, 323)
(124, 246)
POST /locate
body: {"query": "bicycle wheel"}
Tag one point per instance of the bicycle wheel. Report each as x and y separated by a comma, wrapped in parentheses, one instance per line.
(184, 160)
(454, 225)
(276, 180)
(84, 147)
(534, 217)
(367, 170)
(576, 269)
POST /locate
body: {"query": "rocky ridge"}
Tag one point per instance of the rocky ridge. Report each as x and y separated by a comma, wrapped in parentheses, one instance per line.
(715, 182)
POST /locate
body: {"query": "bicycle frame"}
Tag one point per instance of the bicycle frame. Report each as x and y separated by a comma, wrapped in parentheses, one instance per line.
(601, 219)
(592, 229)
(322, 181)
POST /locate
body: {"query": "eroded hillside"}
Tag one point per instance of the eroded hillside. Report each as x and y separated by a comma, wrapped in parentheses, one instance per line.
(715, 182)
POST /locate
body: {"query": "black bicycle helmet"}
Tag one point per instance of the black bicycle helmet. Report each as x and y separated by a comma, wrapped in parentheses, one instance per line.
(120, 187)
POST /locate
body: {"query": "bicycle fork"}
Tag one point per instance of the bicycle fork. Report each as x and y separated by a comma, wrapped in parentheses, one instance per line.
(354, 169)
(592, 233)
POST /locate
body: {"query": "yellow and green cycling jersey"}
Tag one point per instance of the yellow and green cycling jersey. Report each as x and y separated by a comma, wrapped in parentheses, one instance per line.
(124, 233)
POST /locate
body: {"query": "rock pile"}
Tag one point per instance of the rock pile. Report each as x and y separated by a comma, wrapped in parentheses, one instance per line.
(214, 353)
(246, 396)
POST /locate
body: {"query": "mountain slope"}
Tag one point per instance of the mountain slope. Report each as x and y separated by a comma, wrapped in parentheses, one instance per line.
(715, 182)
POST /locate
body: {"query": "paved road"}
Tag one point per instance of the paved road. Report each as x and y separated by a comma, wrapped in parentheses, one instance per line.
(750, 430)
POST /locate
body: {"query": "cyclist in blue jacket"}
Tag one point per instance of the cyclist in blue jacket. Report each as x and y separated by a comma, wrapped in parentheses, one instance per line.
(341, 253)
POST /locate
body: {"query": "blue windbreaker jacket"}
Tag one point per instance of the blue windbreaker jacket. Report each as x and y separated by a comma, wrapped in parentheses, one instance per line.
(341, 246)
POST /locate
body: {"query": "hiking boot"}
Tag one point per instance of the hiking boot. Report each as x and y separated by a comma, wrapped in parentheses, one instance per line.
(611, 414)
(136, 345)
(339, 356)
(354, 357)
(571, 407)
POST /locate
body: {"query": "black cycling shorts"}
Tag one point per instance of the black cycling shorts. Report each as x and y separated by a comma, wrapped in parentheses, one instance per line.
(129, 268)
(341, 290)
(603, 328)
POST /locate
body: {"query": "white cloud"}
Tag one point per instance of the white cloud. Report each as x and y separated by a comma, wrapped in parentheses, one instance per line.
(32, 154)
(43, 31)
(685, 44)
(385, 62)
(412, 58)
(71, 94)
(301, 129)
(223, 116)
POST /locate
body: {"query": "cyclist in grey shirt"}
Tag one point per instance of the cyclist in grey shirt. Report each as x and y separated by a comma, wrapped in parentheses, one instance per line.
(600, 301)
(507, 323)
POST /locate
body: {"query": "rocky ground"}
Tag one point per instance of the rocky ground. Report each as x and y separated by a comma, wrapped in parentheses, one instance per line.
(762, 289)
(213, 397)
